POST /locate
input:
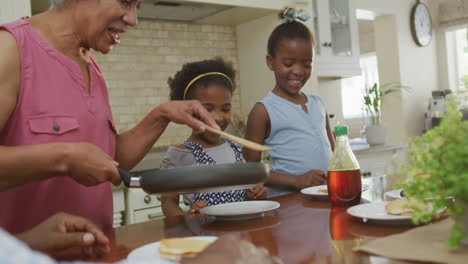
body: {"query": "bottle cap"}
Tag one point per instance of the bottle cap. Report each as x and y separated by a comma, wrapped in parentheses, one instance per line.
(341, 130)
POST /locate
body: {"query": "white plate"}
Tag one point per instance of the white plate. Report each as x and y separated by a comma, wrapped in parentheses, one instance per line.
(150, 253)
(376, 213)
(240, 210)
(314, 190)
(394, 194)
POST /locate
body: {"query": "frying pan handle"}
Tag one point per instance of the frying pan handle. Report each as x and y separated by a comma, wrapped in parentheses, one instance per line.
(126, 177)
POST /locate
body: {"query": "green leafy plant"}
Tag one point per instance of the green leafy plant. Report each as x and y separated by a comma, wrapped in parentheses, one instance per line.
(438, 169)
(374, 96)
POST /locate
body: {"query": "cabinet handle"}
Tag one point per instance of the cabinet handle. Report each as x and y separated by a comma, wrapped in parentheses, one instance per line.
(156, 215)
(147, 199)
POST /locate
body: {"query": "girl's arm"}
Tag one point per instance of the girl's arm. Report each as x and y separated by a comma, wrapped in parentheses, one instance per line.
(258, 128)
(297, 182)
(170, 204)
(329, 133)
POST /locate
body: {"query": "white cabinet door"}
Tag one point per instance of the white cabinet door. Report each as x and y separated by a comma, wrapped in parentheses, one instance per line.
(119, 205)
(141, 206)
(375, 164)
(378, 162)
(148, 214)
(335, 27)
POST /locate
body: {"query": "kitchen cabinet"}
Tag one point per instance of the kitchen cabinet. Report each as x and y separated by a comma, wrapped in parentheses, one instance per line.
(335, 26)
(379, 160)
(118, 197)
(218, 12)
(141, 207)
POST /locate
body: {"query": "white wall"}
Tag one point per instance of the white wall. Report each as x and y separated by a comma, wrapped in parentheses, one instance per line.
(12, 10)
(256, 80)
(414, 66)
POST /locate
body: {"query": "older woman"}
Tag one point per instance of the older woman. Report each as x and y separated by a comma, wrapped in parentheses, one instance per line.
(55, 117)
(55, 120)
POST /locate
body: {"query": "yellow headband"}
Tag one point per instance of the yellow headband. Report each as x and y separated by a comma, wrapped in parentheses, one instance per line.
(203, 75)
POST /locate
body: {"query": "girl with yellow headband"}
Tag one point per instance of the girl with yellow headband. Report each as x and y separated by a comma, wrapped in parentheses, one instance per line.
(212, 83)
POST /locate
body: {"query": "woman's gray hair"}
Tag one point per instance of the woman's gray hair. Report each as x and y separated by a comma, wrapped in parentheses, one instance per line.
(57, 3)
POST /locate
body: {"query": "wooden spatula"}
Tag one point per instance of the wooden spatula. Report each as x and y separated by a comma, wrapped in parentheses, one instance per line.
(243, 142)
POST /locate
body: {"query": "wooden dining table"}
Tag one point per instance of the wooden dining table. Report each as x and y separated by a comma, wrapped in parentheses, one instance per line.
(303, 229)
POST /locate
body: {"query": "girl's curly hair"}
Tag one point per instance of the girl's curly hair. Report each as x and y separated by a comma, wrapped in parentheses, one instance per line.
(191, 70)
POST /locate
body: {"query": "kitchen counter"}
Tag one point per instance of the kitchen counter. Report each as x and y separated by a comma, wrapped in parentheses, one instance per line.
(376, 148)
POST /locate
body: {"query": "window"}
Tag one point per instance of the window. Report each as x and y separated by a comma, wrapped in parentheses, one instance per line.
(353, 87)
(461, 43)
(457, 58)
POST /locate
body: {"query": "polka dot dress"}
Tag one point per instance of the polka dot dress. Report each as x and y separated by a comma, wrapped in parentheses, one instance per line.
(213, 198)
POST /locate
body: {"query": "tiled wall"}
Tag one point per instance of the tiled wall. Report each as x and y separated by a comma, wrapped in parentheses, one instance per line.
(136, 71)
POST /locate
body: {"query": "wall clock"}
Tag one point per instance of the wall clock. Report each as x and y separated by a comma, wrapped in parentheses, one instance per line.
(421, 24)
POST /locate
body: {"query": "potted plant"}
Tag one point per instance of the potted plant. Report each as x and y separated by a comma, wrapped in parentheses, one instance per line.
(376, 132)
(438, 169)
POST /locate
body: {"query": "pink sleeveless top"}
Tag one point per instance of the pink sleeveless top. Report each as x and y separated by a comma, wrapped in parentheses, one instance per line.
(55, 106)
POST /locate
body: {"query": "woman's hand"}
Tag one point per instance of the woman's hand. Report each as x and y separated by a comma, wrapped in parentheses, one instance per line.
(310, 178)
(196, 207)
(63, 231)
(89, 165)
(191, 113)
(257, 193)
(232, 250)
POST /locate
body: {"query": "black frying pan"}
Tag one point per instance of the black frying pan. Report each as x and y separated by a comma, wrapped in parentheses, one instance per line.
(203, 178)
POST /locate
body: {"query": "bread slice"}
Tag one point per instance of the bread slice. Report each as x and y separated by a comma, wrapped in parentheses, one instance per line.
(172, 248)
(403, 206)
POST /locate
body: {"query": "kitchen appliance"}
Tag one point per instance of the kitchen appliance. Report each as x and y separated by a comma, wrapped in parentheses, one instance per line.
(436, 108)
(202, 178)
